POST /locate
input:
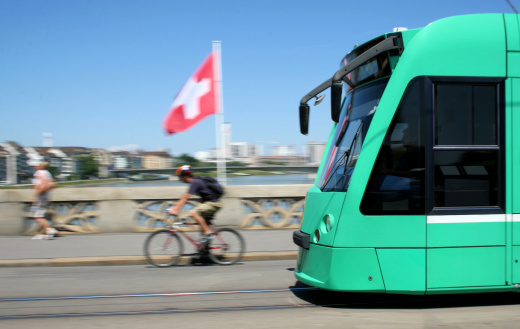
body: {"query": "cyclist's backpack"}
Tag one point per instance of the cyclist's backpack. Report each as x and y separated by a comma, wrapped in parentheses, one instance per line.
(214, 186)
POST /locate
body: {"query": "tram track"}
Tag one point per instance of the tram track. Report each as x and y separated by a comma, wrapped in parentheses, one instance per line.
(225, 301)
(197, 303)
(150, 303)
(173, 294)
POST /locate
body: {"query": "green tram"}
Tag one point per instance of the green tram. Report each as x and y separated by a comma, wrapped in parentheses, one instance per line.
(418, 191)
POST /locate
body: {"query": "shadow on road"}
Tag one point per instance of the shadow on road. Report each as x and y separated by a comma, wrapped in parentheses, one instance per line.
(391, 301)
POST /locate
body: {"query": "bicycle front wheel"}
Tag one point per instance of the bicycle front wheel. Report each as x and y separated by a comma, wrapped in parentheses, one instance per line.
(227, 247)
(163, 248)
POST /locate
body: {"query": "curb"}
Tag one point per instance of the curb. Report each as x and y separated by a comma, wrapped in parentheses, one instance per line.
(130, 260)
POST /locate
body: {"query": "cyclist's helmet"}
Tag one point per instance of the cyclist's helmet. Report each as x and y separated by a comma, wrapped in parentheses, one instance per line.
(186, 169)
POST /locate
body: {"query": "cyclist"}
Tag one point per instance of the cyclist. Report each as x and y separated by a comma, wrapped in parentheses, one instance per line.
(206, 209)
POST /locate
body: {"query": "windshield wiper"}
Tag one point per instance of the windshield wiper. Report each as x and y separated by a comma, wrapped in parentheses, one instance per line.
(344, 129)
(344, 161)
(352, 146)
(338, 164)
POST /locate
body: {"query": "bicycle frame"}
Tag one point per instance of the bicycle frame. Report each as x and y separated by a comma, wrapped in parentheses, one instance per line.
(177, 229)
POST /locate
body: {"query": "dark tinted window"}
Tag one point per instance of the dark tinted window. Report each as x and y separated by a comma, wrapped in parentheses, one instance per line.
(397, 182)
(465, 114)
(466, 154)
(466, 178)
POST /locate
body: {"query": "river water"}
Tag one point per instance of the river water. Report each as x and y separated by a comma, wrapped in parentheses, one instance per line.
(232, 180)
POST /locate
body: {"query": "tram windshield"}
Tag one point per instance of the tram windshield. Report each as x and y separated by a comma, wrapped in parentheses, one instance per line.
(356, 115)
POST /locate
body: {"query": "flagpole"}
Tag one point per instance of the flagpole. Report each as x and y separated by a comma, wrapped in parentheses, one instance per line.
(219, 117)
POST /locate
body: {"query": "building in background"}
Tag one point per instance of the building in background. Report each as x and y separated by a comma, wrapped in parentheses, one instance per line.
(4, 158)
(238, 150)
(314, 152)
(121, 160)
(67, 163)
(17, 162)
(284, 150)
(255, 150)
(19, 169)
(156, 160)
(34, 156)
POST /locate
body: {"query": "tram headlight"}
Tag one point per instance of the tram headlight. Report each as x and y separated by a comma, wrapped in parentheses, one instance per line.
(317, 236)
(328, 222)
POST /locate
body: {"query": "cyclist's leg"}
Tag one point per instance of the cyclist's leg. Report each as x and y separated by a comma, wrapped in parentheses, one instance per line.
(201, 221)
(202, 211)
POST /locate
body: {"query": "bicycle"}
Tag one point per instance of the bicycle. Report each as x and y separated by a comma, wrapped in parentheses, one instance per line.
(164, 248)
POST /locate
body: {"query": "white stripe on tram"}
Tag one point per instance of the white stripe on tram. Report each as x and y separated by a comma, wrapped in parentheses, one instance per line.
(451, 219)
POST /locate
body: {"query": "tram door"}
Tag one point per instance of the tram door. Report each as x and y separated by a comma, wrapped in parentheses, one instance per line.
(514, 91)
(466, 229)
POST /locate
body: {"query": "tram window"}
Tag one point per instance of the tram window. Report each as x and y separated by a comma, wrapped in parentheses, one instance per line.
(466, 178)
(396, 185)
(465, 114)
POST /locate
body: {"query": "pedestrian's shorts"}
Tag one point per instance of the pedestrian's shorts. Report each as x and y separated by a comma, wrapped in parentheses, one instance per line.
(39, 209)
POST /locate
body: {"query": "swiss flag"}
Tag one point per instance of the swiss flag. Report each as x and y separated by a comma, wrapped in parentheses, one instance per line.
(197, 99)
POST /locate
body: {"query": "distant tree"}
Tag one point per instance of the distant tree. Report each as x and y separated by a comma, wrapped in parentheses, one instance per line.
(236, 164)
(186, 159)
(53, 171)
(88, 167)
(208, 164)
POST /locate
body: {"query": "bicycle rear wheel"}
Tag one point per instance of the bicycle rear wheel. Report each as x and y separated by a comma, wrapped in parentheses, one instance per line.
(163, 248)
(227, 247)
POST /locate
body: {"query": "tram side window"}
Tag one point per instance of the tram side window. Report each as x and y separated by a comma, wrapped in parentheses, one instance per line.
(397, 182)
(466, 151)
(465, 114)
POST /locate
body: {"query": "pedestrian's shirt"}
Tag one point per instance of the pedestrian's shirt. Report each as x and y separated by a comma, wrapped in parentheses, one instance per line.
(200, 188)
(39, 177)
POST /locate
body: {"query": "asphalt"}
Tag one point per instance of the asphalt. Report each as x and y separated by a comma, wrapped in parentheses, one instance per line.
(125, 249)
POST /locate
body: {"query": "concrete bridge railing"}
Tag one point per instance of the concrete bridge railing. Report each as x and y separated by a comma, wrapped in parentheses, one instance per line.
(143, 209)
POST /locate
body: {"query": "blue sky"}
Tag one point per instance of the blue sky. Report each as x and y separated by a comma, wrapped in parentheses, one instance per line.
(103, 74)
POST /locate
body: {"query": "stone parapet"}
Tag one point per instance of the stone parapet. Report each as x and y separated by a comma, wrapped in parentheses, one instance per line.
(143, 209)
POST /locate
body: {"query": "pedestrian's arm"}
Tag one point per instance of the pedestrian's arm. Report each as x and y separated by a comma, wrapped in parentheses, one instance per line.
(178, 206)
(45, 185)
(39, 187)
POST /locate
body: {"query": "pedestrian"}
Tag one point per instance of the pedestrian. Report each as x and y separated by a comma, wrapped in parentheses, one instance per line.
(43, 183)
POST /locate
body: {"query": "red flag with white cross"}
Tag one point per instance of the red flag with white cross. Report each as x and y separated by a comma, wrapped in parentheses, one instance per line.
(197, 99)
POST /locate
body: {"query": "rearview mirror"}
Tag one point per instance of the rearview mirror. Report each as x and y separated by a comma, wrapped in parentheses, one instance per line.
(336, 90)
(304, 119)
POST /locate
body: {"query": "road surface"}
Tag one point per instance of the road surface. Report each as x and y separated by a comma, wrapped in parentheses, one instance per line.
(261, 294)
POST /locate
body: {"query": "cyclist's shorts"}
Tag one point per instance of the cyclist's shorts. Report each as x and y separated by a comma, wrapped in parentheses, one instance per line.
(208, 209)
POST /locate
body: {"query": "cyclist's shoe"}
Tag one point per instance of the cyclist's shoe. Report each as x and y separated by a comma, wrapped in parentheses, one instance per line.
(204, 240)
